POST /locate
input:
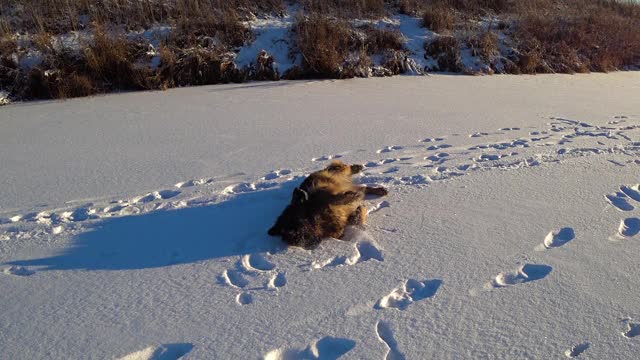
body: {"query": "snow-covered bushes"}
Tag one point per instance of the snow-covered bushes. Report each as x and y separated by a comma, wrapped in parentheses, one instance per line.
(58, 48)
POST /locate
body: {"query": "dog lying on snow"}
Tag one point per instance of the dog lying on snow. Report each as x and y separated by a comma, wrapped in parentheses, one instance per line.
(324, 204)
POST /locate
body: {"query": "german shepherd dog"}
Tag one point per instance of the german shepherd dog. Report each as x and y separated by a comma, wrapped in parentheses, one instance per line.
(323, 205)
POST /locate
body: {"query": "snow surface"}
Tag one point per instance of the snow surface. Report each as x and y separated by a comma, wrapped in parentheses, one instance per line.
(133, 226)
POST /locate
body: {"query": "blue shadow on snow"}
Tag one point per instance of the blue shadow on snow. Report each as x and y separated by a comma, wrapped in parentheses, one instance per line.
(236, 226)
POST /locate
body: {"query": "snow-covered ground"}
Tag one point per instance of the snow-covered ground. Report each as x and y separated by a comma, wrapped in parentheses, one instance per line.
(134, 225)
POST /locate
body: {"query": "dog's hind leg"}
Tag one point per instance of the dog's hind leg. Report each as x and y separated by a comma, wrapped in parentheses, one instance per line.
(359, 217)
(379, 191)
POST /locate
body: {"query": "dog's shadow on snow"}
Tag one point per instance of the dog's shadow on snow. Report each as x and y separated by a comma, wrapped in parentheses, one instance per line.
(236, 226)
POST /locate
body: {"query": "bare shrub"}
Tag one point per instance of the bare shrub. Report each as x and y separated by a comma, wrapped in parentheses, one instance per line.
(377, 40)
(578, 42)
(346, 8)
(226, 27)
(446, 51)
(410, 7)
(263, 68)
(109, 59)
(323, 43)
(60, 16)
(74, 85)
(356, 65)
(438, 18)
(8, 46)
(485, 45)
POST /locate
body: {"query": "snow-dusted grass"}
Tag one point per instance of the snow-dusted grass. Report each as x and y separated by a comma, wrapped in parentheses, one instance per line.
(186, 43)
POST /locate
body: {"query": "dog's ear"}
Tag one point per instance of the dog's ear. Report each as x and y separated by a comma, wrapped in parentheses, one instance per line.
(299, 196)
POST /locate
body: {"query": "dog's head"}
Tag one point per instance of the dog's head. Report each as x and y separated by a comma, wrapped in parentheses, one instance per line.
(295, 226)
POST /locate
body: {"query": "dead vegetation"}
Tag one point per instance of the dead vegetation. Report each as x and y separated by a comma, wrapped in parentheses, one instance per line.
(539, 36)
(334, 48)
(438, 18)
(505, 36)
(62, 16)
(348, 9)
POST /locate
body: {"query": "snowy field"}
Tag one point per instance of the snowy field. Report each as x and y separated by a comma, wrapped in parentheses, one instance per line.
(133, 226)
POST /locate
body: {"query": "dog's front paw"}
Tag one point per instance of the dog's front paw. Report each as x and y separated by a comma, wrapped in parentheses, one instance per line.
(380, 191)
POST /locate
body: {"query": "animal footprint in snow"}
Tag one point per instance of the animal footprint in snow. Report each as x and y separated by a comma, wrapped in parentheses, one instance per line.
(378, 207)
(632, 330)
(628, 227)
(368, 250)
(277, 281)
(439, 157)
(256, 262)
(162, 352)
(77, 215)
(437, 147)
(478, 134)
(244, 298)
(325, 348)
(410, 292)
(18, 271)
(389, 149)
(577, 350)
(526, 273)
(557, 238)
(156, 195)
(428, 140)
(234, 278)
(619, 200)
(632, 191)
(385, 335)
(190, 183)
(276, 174)
(239, 188)
(364, 249)
(489, 157)
(326, 157)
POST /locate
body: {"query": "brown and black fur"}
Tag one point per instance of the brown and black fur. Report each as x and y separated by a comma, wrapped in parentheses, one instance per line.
(324, 204)
(337, 178)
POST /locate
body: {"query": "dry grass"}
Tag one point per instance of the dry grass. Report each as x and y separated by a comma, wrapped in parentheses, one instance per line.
(108, 59)
(323, 43)
(446, 51)
(376, 40)
(346, 8)
(485, 44)
(226, 27)
(438, 18)
(602, 41)
(564, 36)
(333, 48)
(541, 36)
(61, 16)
